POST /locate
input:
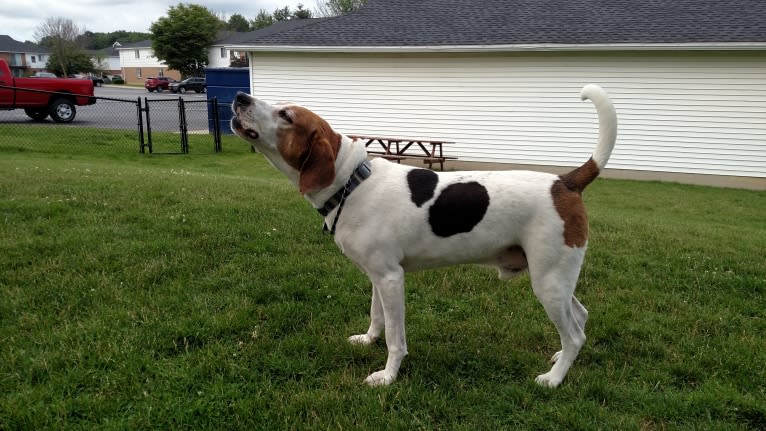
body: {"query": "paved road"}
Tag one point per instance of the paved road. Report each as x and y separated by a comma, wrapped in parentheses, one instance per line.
(121, 112)
(131, 93)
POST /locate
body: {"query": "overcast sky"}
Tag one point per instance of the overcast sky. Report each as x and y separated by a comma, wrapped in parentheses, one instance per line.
(20, 18)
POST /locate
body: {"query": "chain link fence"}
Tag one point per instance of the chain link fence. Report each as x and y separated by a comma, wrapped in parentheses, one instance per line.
(158, 126)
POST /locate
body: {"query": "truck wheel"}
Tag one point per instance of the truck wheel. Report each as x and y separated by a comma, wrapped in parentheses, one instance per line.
(62, 111)
(182, 90)
(37, 114)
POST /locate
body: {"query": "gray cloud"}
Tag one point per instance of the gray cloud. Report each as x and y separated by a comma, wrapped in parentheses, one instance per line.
(20, 19)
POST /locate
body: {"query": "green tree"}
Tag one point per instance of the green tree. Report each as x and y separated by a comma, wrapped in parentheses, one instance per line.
(263, 19)
(77, 62)
(238, 22)
(60, 35)
(339, 7)
(182, 38)
(282, 14)
(301, 13)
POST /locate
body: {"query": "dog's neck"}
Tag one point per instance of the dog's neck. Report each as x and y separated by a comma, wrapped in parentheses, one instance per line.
(350, 155)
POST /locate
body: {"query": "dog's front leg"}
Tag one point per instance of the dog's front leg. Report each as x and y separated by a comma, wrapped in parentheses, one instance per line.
(377, 322)
(389, 288)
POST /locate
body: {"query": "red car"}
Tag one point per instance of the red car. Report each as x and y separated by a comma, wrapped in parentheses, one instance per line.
(160, 83)
(41, 97)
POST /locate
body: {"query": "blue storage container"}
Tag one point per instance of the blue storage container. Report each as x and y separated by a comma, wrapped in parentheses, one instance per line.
(224, 83)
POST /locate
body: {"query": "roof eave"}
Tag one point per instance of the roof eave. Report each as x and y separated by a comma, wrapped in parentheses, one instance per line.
(715, 46)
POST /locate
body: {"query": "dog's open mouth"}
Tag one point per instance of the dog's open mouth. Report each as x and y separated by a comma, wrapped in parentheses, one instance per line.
(250, 133)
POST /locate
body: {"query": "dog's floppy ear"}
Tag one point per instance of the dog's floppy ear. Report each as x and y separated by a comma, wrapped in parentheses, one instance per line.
(318, 169)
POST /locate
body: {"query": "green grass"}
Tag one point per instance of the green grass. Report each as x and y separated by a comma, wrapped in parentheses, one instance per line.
(198, 292)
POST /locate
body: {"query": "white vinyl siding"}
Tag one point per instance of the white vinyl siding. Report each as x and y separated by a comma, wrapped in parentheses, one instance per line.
(698, 113)
(139, 57)
(217, 56)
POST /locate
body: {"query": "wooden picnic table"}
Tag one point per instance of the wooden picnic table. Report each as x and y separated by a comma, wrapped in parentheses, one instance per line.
(398, 149)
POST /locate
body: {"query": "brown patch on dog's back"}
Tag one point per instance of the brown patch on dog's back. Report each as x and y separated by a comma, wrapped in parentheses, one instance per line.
(567, 198)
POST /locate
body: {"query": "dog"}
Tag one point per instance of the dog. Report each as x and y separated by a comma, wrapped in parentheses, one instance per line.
(512, 220)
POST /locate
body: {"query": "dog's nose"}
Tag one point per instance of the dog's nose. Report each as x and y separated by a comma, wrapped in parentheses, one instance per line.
(242, 99)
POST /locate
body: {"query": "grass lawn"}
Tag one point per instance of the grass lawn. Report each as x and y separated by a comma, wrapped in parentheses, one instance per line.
(198, 292)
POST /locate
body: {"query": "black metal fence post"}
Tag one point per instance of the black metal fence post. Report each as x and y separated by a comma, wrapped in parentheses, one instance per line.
(139, 110)
(148, 124)
(216, 126)
(183, 126)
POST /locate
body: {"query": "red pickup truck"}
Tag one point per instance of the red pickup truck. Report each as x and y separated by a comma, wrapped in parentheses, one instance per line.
(56, 97)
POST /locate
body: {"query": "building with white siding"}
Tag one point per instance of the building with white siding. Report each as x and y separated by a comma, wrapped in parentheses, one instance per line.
(501, 78)
(138, 62)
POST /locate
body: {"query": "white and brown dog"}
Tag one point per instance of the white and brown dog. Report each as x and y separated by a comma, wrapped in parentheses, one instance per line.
(512, 220)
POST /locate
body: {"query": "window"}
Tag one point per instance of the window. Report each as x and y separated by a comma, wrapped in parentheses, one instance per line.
(137, 53)
(138, 72)
(161, 73)
(223, 53)
(34, 59)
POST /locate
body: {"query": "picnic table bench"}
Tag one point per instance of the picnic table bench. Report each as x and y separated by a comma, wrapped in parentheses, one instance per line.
(398, 149)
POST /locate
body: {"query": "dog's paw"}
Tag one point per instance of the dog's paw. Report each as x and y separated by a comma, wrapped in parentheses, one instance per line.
(361, 339)
(548, 380)
(380, 378)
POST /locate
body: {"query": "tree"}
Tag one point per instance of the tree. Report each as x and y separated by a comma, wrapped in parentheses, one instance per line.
(60, 36)
(182, 38)
(238, 22)
(339, 7)
(75, 62)
(263, 19)
(282, 14)
(301, 13)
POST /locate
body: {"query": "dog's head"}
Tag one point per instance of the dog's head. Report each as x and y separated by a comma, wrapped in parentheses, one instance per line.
(294, 139)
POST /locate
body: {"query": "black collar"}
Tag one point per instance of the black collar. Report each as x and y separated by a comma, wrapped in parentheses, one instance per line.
(361, 173)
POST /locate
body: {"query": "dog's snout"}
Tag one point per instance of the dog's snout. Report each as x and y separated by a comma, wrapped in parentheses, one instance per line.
(243, 99)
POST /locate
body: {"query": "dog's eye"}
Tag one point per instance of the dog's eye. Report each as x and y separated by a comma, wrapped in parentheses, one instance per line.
(285, 116)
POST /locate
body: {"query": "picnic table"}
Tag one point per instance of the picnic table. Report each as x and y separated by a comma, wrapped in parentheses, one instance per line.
(398, 149)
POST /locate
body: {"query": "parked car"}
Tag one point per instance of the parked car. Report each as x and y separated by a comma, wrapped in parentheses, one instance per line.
(98, 81)
(198, 85)
(44, 75)
(113, 79)
(159, 83)
(58, 98)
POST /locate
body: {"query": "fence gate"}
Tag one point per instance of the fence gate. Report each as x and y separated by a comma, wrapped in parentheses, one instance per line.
(169, 122)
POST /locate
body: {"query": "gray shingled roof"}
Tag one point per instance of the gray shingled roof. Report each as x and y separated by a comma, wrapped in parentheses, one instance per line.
(8, 44)
(408, 23)
(133, 45)
(274, 29)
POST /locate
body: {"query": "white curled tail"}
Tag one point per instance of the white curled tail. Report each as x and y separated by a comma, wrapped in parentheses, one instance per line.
(607, 122)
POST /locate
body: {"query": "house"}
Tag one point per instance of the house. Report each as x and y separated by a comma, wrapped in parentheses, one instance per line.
(137, 62)
(107, 60)
(501, 78)
(220, 56)
(24, 58)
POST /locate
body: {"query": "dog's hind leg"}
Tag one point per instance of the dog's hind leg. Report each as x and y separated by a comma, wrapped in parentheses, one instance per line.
(581, 317)
(377, 322)
(580, 312)
(555, 289)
